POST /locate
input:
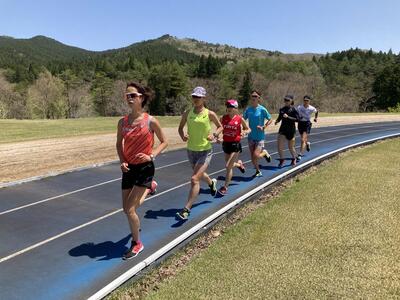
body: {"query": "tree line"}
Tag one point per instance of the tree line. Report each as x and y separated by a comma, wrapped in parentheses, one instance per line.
(93, 85)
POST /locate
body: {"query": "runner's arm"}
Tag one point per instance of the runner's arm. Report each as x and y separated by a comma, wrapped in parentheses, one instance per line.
(119, 142)
(246, 128)
(155, 126)
(316, 115)
(182, 125)
(268, 117)
(279, 118)
(296, 117)
(214, 118)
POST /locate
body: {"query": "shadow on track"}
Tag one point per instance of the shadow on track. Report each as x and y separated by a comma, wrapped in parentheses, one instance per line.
(105, 250)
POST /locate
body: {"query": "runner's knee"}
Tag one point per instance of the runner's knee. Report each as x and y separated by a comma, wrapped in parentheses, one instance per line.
(195, 180)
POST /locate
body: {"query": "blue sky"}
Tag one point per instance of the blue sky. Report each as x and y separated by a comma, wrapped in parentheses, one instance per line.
(287, 25)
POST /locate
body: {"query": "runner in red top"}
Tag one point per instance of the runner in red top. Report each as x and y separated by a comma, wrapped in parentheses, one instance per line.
(135, 140)
(232, 124)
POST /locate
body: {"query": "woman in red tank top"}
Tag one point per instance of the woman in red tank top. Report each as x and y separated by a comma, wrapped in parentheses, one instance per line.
(232, 124)
(135, 140)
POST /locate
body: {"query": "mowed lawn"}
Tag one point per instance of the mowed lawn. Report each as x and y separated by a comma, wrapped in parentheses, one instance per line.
(334, 233)
(25, 130)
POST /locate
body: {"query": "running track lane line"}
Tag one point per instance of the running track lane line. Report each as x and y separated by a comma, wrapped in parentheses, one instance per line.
(159, 194)
(51, 174)
(156, 255)
(158, 168)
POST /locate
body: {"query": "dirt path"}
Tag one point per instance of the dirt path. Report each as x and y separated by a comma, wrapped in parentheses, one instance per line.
(44, 157)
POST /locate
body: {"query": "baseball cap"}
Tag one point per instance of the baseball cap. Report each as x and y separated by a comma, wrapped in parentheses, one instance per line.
(199, 92)
(232, 103)
(288, 98)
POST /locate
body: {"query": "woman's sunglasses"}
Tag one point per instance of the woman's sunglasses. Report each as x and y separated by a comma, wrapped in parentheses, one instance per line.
(132, 95)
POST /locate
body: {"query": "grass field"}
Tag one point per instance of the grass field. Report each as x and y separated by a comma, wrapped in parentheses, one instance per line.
(25, 130)
(334, 233)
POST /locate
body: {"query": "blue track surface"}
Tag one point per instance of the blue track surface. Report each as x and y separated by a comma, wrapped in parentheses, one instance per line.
(62, 237)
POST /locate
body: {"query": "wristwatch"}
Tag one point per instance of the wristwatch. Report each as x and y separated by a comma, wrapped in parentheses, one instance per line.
(152, 157)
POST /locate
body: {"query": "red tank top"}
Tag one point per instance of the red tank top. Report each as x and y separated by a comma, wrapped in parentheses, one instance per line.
(137, 138)
(232, 128)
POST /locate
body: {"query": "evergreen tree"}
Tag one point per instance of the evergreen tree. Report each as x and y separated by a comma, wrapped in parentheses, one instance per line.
(245, 90)
(168, 81)
(202, 69)
(387, 86)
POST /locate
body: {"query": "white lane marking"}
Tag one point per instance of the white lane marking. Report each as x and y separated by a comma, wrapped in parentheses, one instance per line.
(168, 247)
(157, 195)
(158, 168)
(51, 174)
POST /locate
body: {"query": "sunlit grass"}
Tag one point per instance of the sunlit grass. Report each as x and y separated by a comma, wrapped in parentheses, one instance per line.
(333, 234)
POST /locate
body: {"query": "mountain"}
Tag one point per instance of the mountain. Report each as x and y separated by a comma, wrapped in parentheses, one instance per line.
(41, 50)
(230, 52)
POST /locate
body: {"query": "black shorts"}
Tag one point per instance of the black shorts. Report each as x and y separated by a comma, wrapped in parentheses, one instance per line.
(230, 147)
(139, 175)
(289, 135)
(304, 126)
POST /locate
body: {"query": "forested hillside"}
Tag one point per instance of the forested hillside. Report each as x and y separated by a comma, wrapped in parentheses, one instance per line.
(43, 78)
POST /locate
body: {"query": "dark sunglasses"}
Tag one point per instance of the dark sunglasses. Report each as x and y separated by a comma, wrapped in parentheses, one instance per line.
(196, 97)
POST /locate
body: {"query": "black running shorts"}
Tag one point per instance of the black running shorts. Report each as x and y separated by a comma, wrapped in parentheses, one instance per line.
(139, 175)
(230, 147)
(304, 126)
(288, 134)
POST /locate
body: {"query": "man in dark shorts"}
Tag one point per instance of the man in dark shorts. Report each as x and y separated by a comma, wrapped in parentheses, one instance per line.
(305, 112)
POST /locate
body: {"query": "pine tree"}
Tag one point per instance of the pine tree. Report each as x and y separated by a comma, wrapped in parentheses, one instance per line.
(202, 69)
(245, 90)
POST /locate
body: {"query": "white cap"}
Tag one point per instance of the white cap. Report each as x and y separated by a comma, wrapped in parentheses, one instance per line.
(199, 92)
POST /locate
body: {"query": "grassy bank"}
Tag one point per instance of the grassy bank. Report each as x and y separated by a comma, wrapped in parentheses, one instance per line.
(25, 130)
(334, 233)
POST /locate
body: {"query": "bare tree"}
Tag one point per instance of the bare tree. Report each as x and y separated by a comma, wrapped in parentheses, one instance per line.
(80, 101)
(12, 104)
(46, 97)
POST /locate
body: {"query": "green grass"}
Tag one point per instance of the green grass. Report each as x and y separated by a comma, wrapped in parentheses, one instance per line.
(25, 130)
(332, 234)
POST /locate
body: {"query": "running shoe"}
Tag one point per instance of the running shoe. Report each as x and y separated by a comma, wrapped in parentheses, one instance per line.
(293, 162)
(241, 166)
(213, 187)
(299, 157)
(266, 155)
(153, 188)
(281, 162)
(134, 250)
(183, 214)
(222, 191)
(308, 146)
(257, 174)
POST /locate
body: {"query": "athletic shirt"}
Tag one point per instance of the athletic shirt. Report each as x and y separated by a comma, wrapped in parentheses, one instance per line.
(199, 128)
(232, 128)
(305, 112)
(137, 138)
(256, 117)
(288, 125)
